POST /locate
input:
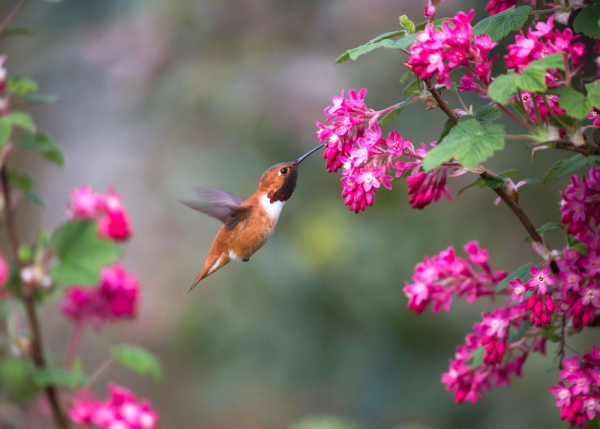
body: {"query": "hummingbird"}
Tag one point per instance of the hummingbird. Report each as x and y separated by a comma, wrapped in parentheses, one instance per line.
(247, 225)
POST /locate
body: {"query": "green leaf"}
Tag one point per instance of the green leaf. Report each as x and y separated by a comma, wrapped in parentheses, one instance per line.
(571, 165)
(587, 21)
(5, 129)
(518, 336)
(58, 377)
(499, 25)
(468, 143)
(479, 183)
(16, 31)
(44, 144)
(411, 88)
(382, 41)
(404, 77)
(477, 356)
(487, 115)
(532, 181)
(407, 23)
(21, 86)
(504, 87)
(521, 273)
(546, 227)
(533, 79)
(593, 93)
(574, 243)
(42, 98)
(19, 119)
(495, 182)
(574, 102)
(81, 253)
(35, 199)
(137, 359)
(19, 180)
(508, 173)
(388, 35)
(406, 41)
(549, 335)
(389, 116)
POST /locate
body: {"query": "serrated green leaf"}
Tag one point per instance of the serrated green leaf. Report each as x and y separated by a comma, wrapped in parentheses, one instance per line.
(16, 31)
(58, 377)
(522, 273)
(389, 116)
(378, 42)
(518, 335)
(495, 182)
(20, 87)
(407, 23)
(587, 21)
(508, 173)
(45, 145)
(533, 79)
(487, 115)
(81, 253)
(546, 227)
(499, 25)
(574, 243)
(593, 93)
(571, 165)
(137, 359)
(477, 356)
(447, 127)
(468, 143)
(19, 119)
(574, 102)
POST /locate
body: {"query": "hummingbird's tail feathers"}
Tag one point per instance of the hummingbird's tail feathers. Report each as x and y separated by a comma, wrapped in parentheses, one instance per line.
(212, 264)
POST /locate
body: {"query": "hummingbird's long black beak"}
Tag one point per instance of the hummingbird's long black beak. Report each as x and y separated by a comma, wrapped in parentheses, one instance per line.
(299, 160)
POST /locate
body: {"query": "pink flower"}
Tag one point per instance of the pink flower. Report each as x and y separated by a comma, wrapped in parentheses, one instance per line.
(115, 298)
(562, 393)
(436, 53)
(540, 280)
(519, 289)
(591, 295)
(113, 221)
(121, 410)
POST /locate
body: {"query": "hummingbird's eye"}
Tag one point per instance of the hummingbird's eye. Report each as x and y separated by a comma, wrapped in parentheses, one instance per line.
(283, 171)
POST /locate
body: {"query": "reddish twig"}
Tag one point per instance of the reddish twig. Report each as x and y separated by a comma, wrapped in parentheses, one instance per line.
(37, 350)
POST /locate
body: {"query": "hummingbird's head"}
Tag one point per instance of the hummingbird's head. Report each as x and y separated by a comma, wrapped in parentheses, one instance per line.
(279, 181)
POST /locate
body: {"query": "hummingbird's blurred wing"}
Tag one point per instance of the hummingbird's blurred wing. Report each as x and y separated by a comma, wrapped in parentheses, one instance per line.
(221, 205)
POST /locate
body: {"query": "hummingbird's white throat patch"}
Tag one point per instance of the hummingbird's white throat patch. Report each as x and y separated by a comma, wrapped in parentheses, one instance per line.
(273, 210)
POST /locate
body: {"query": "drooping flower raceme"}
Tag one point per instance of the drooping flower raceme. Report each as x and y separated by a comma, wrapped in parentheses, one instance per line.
(354, 142)
(436, 53)
(115, 298)
(113, 220)
(121, 410)
(578, 391)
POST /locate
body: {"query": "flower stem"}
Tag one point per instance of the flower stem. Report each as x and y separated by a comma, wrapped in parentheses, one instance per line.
(73, 344)
(37, 351)
(513, 116)
(11, 17)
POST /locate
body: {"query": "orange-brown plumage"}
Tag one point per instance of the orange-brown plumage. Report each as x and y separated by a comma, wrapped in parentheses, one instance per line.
(247, 225)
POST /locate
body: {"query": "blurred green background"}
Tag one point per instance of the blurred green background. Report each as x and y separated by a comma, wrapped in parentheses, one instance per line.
(158, 96)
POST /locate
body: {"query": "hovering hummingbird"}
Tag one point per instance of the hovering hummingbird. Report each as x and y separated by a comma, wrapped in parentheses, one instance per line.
(247, 225)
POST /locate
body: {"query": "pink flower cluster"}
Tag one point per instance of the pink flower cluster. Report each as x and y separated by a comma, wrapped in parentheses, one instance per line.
(113, 221)
(580, 204)
(436, 280)
(498, 360)
(436, 53)
(120, 411)
(4, 97)
(354, 142)
(542, 42)
(529, 103)
(115, 298)
(540, 302)
(4, 274)
(579, 399)
(497, 6)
